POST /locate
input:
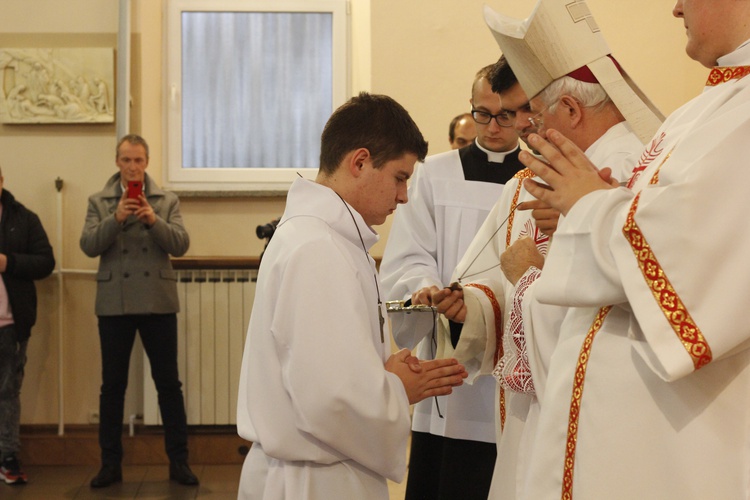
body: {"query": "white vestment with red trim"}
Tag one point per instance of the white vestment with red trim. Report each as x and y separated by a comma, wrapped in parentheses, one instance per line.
(659, 405)
(618, 149)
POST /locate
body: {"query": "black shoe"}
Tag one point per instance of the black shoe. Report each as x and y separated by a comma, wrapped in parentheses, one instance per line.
(108, 474)
(180, 472)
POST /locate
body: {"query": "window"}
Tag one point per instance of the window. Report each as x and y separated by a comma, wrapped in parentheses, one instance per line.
(251, 84)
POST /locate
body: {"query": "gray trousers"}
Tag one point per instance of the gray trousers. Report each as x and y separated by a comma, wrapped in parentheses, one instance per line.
(12, 362)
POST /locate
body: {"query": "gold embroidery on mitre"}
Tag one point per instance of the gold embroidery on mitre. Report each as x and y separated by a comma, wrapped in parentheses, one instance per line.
(575, 403)
(526, 173)
(498, 339)
(669, 301)
(723, 74)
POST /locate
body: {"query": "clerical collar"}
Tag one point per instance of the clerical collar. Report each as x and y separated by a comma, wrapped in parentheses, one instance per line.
(495, 156)
(730, 67)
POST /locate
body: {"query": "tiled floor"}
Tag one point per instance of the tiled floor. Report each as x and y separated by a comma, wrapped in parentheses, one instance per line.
(50, 482)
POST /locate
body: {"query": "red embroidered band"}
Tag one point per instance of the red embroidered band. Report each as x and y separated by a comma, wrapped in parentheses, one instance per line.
(723, 74)
(526, 173)
(575, 403)
(498, 339)
(669, 301)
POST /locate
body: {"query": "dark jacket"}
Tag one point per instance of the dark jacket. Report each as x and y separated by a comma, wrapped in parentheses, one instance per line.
(30, 258)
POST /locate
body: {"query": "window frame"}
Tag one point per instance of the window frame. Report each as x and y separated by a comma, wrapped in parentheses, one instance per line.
(240, 179)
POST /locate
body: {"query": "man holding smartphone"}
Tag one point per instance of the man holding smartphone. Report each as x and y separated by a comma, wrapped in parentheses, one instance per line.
(134, 226)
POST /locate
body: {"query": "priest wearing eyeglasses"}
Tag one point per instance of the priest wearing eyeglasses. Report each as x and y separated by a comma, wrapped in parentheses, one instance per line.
(453, 439)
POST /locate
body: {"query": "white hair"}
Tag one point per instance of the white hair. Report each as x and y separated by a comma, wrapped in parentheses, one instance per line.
(588, 94)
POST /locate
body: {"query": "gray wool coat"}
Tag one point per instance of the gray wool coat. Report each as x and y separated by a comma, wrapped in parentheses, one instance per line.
(135, 275)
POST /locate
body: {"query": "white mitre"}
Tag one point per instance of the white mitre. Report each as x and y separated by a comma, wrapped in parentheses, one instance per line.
(561, 37)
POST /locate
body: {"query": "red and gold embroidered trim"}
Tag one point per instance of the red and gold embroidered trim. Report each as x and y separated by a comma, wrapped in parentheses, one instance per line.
(526, 173)
(723, 74)
(664, 293)
(655, 177)
(575, 403)
(498, 339)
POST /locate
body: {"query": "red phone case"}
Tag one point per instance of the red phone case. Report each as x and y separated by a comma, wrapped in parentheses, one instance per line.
(135, 188)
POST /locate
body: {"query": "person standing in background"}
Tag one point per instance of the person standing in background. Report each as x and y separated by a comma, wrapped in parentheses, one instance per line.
(25, 256)
(134, 233)
(453, 440)
(461, 131)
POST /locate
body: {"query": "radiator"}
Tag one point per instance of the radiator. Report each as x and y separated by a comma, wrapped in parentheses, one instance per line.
(211, 327)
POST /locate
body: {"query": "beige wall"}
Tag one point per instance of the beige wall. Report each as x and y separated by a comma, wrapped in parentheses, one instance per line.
(422, 52)
(425, 53)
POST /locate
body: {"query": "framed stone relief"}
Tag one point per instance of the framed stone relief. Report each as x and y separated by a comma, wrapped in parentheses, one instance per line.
(68, 85)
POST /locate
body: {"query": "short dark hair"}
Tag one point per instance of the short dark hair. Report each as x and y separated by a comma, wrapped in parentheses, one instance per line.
(482, 73)
(133, 139)
(375, 122)
(454, 122)
(502, 77)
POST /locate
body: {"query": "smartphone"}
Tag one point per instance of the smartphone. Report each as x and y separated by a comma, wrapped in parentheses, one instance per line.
(135, 188)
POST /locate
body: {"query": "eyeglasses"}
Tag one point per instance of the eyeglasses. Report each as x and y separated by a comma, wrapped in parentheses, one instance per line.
(483, 118)
(537, 121)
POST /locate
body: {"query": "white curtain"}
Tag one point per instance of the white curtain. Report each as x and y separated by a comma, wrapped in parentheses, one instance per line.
(256, 88)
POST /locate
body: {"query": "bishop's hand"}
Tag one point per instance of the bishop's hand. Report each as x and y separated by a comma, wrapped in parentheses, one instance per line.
(519, 257)
(569, 175)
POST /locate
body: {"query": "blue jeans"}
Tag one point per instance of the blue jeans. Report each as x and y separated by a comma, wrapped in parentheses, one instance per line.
(12, 363)
(159, 338)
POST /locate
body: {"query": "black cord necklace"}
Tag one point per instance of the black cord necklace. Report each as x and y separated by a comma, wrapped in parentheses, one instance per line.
(381, 319)
(489, 240)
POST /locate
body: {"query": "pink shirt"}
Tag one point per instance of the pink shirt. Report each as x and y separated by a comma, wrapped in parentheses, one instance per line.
(6, 315)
